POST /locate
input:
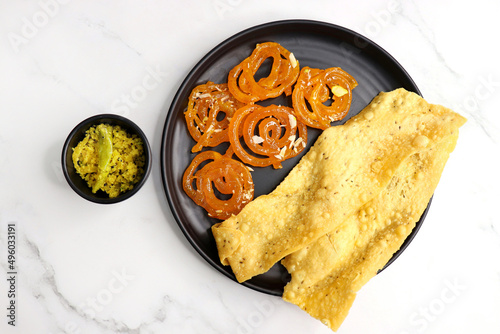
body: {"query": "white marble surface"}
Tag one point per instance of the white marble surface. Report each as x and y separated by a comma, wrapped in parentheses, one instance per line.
(126, 268)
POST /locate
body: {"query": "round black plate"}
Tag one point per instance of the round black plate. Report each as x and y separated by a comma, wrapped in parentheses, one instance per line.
(314, 44)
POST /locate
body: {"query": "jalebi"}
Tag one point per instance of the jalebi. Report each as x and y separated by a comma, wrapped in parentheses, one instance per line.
(317, 88)
(209, 109)
(223, 186)
(284, 72)
(271, 135)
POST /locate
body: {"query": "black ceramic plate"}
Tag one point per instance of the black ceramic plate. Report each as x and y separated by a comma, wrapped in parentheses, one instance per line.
(314, 44)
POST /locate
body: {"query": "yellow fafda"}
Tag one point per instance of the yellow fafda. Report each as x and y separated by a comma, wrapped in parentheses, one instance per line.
(348, 166)
(327, 273)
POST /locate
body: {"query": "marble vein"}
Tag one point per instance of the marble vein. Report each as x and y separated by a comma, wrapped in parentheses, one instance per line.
(102, 28)
(419, 23)
(413, 14)
(49, 278)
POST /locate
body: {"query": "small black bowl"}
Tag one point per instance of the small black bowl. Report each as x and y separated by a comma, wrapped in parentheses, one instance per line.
(77, 134)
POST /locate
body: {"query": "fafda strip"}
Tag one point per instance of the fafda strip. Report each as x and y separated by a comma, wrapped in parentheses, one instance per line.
(348, 166)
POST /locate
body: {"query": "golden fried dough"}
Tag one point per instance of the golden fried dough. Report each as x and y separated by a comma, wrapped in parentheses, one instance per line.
(327, 273)
(348, 166)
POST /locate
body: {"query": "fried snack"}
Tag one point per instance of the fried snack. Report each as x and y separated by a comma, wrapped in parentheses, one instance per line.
(229, 177)
(283, 74)
(348, 166)
(207, 102)
(327, 273)
(314, 88)
(272, 134)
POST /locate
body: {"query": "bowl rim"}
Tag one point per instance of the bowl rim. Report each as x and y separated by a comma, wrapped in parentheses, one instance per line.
(93, 120)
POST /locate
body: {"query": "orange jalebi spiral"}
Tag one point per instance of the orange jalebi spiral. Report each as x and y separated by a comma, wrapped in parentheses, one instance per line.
(209, 109)
(316, 87)
(284, 72)
(208, 183)
(271, 134)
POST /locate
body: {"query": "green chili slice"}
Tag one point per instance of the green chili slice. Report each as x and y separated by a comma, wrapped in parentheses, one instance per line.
(105, 150)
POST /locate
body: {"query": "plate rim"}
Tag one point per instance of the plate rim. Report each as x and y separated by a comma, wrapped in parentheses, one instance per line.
(199, 64)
